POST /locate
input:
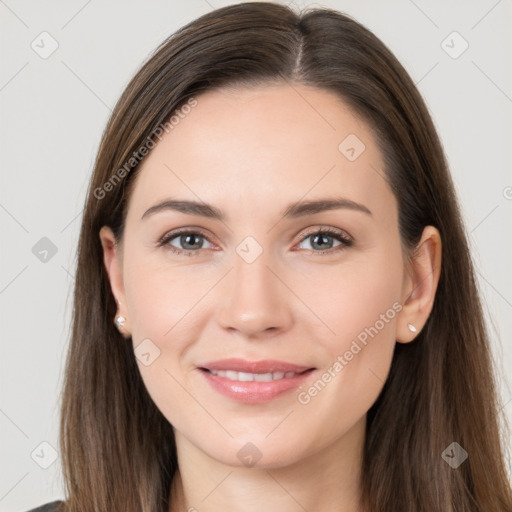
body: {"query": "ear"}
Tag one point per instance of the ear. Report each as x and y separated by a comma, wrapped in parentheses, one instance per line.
(112, 259)
(420, 284)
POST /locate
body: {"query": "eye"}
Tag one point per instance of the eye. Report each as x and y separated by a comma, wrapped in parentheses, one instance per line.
(184, 242)
(322, 239)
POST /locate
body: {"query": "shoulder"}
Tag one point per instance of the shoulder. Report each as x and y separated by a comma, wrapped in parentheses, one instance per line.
(54, 506)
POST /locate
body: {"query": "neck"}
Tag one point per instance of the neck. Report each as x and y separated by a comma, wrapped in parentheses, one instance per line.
(325, 481)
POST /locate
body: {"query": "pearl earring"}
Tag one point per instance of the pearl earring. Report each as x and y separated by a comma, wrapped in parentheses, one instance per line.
(120, 320)
(412, 328)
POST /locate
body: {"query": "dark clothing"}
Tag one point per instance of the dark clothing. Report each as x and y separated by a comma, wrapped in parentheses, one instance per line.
(49, 507)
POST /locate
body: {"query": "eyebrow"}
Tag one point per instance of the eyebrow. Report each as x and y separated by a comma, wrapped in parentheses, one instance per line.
(294, 210)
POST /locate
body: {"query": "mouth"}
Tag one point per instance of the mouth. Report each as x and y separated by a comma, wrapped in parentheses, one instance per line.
(254, 367)
(250, 377)
(254, 382)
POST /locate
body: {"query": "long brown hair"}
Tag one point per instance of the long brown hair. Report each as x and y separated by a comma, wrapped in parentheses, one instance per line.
(118, 450)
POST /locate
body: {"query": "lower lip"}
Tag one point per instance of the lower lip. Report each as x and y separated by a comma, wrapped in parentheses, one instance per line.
(254, 392)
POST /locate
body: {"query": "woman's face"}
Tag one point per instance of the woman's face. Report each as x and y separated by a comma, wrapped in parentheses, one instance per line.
(261, 284)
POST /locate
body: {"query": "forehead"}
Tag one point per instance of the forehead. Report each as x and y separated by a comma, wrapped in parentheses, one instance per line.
(249, 143)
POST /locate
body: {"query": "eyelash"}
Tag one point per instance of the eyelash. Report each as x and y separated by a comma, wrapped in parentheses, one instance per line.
(345, 240)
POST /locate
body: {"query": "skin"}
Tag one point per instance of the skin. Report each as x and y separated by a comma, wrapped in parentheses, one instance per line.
(251, 152)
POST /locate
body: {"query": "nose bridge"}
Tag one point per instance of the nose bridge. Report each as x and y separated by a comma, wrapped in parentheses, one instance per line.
(252, 276)
(255, 299)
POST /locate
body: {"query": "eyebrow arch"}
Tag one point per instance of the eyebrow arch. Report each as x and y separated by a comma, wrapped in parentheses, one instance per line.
(294, 210)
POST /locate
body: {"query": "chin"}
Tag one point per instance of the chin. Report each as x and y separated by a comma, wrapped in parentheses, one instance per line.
(260, 453)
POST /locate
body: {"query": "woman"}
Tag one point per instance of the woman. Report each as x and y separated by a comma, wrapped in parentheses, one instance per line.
(275, 305)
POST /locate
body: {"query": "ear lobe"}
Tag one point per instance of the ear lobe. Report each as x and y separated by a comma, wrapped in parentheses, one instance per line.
(420, 285)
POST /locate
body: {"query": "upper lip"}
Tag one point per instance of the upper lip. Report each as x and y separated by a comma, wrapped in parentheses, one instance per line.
(264, 366)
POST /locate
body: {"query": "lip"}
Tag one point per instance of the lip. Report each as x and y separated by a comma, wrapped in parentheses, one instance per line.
(265, 366)
(254, 392)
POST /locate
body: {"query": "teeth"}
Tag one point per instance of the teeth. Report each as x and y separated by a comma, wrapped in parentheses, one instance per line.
(247, 377)
(264, 377)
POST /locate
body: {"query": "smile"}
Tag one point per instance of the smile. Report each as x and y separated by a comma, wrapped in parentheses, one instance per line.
(248, 377)
(253, 382)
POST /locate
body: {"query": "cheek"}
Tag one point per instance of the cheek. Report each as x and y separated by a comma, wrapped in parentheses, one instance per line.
(358, 306)
(159, 296)
(344, 315)
(164, 308)
(354, 298)
(347, 302)
(361, 310)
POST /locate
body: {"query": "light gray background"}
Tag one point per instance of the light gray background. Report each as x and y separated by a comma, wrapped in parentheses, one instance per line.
(54, 110)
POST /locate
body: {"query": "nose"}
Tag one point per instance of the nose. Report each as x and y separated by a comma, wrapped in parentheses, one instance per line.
(255, 299)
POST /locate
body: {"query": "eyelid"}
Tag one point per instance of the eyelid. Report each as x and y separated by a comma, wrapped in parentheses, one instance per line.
(170, 235)
(180, 231)
(345, 239)
(329, 230)
(341, 235)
